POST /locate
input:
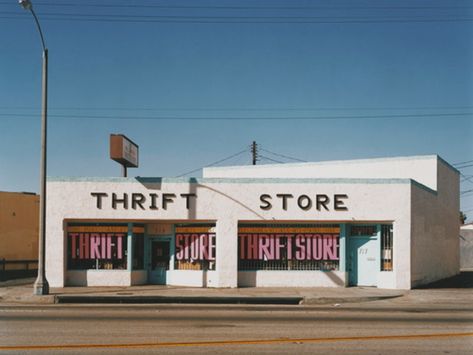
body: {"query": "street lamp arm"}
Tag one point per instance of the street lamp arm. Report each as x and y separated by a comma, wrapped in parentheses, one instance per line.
(39, 29)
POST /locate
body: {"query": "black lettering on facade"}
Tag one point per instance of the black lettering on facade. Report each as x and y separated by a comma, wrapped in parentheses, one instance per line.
(154, 200)
(98, 196)
(338, 203)
(137, 199)
(116, 201)
(264, 198)
(322, 200)
(187, 197)
(284, 198)
(167, 198)
(304, 202)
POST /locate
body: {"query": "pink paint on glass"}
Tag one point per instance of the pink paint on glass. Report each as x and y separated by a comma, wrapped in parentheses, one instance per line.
(300, 244)
(119, 245)
(83, 246)
(109, 245)
(252, 246)
(204, 245)
(317, 246)
(94, 246)
(265, 252)
(73, 237)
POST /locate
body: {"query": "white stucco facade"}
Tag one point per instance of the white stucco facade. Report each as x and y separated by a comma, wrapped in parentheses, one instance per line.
(417, 198)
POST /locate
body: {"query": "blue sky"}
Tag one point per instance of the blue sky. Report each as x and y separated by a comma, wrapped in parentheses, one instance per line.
(193, 82)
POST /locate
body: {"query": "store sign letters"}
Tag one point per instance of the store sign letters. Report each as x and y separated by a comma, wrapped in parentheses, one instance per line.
(259, 246)
(195, 246)
(96, 245)
(154, 201)
(304, 202)
(151, 201)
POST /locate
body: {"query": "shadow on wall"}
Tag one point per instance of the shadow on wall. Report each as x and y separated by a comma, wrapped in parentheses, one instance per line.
(335, 278)
(156, 184)
(463, 280)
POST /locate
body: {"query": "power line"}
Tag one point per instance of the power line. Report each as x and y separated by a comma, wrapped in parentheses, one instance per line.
(246, 7)
(214, 163)
(464, 166)
(240, 109)
(219, 17)
(347, 117)
(283, 156)
(463, 162)
(233, 20)
(273, 160)
(466, 178)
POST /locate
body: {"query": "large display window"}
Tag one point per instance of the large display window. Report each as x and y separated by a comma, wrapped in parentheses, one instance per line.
(102, 246)
(288, 247)
(195, 247)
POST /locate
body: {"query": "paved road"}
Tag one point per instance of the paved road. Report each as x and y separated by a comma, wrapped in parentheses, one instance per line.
(385, 327)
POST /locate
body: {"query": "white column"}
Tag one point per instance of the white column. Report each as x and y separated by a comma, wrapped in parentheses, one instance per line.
(227, 253)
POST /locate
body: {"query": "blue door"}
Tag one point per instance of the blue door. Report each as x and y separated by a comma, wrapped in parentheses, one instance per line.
(160, 256)
(363, 261)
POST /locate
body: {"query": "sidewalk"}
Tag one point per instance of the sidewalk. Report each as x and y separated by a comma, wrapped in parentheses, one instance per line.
(21, 292)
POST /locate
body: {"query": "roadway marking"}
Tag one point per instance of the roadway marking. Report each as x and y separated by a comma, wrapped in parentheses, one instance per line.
(232, 342)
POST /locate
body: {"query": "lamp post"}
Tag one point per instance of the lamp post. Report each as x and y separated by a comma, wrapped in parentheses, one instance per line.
(41, 286)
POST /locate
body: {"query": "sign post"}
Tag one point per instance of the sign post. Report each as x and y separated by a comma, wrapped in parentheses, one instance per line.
(124, 152)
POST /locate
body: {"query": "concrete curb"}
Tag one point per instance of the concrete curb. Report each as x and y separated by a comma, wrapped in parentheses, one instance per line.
(177, 299)
(117, 299)
(340, 300)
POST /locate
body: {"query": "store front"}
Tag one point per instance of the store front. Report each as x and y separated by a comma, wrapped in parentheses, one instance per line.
(240, 232)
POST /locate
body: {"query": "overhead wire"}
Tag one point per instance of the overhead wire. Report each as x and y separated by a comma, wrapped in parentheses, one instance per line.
(214, 163)
(233, 21)
(244, 7)
(283, 156)
(270, 159)
(349, 117)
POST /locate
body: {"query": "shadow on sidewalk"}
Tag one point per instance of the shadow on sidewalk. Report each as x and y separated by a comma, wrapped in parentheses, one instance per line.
(463, 280)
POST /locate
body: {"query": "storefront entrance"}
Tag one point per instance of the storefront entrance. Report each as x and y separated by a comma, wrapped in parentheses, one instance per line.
(363, 260)
(160, 255)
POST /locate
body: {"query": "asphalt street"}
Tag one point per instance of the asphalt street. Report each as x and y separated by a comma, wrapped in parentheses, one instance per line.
(381, 327)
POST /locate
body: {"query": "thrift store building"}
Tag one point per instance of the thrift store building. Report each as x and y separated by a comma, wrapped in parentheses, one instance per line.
(389, 223)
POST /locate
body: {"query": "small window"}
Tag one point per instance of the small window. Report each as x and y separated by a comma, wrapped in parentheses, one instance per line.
(387, 247)
(363, 230)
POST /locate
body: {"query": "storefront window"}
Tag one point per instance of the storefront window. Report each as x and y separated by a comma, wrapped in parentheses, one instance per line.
(97, 246)
(288, 247)
(138, 250)
(386, 247)
(195, 247)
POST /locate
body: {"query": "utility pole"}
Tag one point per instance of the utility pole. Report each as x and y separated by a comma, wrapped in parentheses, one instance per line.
(254, 152)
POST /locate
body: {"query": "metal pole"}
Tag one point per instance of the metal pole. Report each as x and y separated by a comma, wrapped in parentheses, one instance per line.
(41, 285)
(124, 171)
(254, 152)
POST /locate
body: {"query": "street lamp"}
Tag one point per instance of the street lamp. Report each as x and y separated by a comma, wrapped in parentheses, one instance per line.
(41, 286)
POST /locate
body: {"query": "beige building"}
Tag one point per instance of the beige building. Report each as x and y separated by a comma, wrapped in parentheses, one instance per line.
(19, 219)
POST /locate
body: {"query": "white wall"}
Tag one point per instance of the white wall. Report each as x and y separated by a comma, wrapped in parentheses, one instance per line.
(423, 169)
(264, 278)
(97, 278)
(227, 202)
(435, 229)
(192, 278)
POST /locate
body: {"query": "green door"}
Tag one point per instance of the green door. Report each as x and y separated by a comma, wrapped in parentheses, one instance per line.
(363, 261)
(160, 256)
